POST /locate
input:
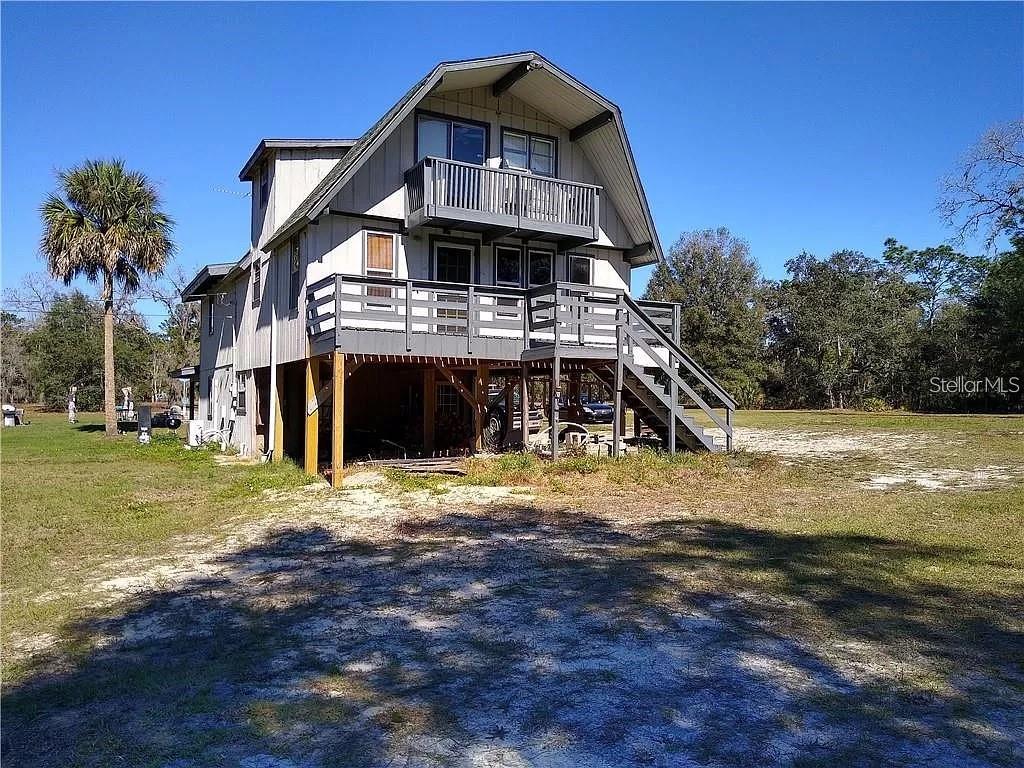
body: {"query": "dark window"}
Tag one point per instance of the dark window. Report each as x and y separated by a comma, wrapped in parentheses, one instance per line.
(580, 270)
(529, 152)
(264, 183)
(257, 280)
(209, 397)
(211, 302)
(540, 268)
(453, 263)
(450, 138)
(240, 398)
(507, 266)
(294, 275)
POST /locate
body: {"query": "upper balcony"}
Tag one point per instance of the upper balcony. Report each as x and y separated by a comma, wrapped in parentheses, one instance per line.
(500, 202)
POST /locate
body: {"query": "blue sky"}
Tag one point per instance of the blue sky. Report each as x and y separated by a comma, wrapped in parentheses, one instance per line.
(798, 126)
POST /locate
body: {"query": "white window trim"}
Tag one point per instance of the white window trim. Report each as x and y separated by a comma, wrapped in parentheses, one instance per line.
(590, 266)
(376, 271)
(551, 271)
(460, 246)
(519, 253)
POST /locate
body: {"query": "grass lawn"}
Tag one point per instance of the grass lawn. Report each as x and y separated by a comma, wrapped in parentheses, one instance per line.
(73, 499)
(851, 593)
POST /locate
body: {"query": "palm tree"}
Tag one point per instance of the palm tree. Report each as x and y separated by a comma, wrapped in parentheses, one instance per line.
(105, 224)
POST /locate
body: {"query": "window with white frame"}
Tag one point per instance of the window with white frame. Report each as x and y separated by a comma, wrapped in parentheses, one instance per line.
(240, 394)
(529, 152)
(541, 267)
(257, 280)
(379, 261)
(508, 266)
(508, 270)
(450, 137)
(581, 269)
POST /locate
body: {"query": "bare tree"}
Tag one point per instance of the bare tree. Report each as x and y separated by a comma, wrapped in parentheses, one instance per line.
(986, 191)
(34, 295)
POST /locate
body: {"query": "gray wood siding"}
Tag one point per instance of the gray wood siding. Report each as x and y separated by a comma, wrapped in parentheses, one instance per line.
(378, 187)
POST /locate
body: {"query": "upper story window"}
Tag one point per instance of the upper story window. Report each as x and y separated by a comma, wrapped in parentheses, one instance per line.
(257, 280)
(294, 274)
(581, 269)
(529, 152)
(211, 302)
(264, 183)
(450, 137)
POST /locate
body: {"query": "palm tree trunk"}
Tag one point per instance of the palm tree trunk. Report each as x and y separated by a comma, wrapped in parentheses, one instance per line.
(108, 356)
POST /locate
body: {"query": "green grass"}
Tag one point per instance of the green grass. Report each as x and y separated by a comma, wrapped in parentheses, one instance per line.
(73, 498)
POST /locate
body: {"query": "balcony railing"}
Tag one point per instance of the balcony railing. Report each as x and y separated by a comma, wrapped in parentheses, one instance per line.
(556, 314)
(451, 192)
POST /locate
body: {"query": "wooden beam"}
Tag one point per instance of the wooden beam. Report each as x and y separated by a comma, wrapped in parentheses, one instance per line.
(452, 379)
(591, 125)
(490, 235)
(481, 384)
(524, 404)
(553, 420)
(429, 409)
(278, 417)
(338, 420)
(639, 250)
(510, 78)
(312, 419)
(398, 223)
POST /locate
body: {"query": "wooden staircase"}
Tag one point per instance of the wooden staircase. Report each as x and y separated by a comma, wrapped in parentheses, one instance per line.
(663, 385)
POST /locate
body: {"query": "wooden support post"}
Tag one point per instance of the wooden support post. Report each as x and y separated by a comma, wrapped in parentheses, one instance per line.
(556, 371)
(312, 419)
(191, 398)
(509, 411)
(338, 420)
(728, 434)
(524, 404)
(429, 409)
(481, 383)
(618, 413)
(278, 417)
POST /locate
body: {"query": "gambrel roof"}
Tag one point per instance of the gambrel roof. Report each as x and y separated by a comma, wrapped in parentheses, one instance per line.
(594, 122)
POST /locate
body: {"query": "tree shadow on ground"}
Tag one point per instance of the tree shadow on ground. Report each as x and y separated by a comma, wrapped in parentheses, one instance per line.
(90, 427)
(526, 638)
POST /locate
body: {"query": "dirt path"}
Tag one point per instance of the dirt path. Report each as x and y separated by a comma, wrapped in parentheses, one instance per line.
(484, 628)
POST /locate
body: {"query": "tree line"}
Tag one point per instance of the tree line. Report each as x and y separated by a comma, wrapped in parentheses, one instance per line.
(53, 341)
(925, 328)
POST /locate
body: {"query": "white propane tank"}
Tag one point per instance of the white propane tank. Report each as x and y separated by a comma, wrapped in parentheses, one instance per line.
(195, 433)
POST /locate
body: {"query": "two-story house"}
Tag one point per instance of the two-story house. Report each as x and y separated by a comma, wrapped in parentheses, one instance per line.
(482, 232)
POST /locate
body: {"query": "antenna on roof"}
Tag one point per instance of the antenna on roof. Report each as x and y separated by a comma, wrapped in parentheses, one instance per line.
(232, 192)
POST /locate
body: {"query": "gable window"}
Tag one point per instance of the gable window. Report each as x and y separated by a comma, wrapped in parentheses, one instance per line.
(540, 268)
(264, 183)
(451, 138)
(580, 269)
(529, 152)
(379, 262)
(257, 280)
(294, 276)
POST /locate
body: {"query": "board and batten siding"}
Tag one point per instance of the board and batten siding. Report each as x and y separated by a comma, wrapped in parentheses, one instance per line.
(378, 187)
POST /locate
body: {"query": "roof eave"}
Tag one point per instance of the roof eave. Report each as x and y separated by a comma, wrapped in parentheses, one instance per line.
(206, 278)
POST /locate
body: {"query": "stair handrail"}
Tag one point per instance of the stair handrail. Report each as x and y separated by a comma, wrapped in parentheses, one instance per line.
(691, 365)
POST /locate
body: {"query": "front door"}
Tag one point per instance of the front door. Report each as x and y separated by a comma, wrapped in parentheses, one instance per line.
(453, 264)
